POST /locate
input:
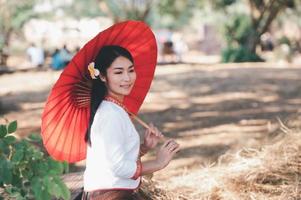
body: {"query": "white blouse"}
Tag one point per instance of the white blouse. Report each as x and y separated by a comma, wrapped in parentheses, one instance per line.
(112, 157)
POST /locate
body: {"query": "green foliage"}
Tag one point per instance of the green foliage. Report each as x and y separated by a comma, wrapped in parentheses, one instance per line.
(124, 10)
(174, 14)
(221, 4)
(14, 14)
(239, 34)
(284, 40)
(240, 54)
(238, 30)
(80, 9)
(116, 8)
(26, 172)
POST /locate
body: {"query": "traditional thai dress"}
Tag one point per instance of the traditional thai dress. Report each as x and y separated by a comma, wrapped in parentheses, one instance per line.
(113, 165)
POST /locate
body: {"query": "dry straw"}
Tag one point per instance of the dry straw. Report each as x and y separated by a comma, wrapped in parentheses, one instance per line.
(272, 172)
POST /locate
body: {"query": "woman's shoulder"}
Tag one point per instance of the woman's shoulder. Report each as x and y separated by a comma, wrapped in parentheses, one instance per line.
(108, 109)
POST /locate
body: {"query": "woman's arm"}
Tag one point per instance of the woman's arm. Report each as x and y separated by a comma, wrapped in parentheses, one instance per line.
(164, 156)
(152, 136)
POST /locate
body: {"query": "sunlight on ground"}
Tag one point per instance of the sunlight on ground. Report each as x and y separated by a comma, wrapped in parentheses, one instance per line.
(211, 110)
(27, 82)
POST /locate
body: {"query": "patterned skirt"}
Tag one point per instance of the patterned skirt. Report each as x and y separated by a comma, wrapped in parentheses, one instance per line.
(113, 195)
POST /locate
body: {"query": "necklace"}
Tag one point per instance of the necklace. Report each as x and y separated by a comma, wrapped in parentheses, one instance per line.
(131, 115)
(113, 100)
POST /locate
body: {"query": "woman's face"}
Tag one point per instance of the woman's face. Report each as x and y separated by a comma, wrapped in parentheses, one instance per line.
(120, 77)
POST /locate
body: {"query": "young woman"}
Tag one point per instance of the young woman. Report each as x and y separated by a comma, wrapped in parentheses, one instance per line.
(113, 165)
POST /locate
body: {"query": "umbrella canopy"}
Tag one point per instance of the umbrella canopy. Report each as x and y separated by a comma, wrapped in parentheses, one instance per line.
(66, 114)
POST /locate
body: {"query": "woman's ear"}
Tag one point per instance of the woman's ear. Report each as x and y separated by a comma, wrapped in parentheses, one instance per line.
(102, 78)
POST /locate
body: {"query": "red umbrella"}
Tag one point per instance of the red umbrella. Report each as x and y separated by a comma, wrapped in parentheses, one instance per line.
(66, 113)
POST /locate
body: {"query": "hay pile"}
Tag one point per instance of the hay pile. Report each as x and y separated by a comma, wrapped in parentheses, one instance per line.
(151, 190)
(273, 172)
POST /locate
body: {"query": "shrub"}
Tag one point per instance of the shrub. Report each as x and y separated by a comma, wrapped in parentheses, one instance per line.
(239, 54)
(26, 171)
(239, 35)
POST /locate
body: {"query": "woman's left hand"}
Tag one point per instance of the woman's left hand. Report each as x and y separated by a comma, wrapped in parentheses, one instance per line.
(152, 137)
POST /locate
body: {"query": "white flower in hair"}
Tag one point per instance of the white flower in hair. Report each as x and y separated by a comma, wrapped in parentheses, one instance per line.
(93, 72)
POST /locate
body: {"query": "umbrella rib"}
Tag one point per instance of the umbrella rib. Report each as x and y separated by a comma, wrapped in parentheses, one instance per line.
(82, 99)
(81, 93)
(142, 44)
(75, 120)
(128, 42)
(68, 131)
(134, 38)
(83, 105)
(72, 84)
(121, 29)
(109, 35)
(57, 114)
(54, 106)
(62, 115)
(87, 122)
(83, 86)
(72, 76)
(63, 95)
(78, 69)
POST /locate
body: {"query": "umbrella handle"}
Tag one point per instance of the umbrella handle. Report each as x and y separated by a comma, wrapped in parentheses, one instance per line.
(145, 125)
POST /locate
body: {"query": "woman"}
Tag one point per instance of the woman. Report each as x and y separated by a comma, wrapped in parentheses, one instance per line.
(113, 166)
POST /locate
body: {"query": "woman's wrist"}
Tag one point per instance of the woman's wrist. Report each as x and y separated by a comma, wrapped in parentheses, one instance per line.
(143, 149)
(159, 164)
(151, 166)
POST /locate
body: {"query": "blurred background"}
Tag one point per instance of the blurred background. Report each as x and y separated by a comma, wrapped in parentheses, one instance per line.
(186, 30)
(227, 87)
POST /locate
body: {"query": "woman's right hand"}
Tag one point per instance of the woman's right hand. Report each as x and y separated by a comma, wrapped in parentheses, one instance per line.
(166, 152)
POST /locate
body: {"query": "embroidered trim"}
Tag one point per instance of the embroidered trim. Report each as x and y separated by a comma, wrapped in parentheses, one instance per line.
(113, 100)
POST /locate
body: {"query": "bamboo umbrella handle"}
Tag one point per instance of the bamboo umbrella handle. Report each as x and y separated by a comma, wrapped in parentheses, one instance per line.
(145, 125)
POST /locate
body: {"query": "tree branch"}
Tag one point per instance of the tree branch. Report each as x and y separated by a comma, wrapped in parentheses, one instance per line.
(265, 9)
(147, 10)
(252, 9)
(271, 17)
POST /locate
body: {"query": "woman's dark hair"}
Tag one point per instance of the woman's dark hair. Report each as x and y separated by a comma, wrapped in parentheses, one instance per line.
(103, 61)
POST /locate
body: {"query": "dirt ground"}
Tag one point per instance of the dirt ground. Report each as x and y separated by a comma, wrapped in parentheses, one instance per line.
(209, 109)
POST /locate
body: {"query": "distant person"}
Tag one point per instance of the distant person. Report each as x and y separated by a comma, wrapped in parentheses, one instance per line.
(36, 55)
(266, 42)
(168, 51)
(57, 62)
(60, 58)
(65, 55)
(179, 46)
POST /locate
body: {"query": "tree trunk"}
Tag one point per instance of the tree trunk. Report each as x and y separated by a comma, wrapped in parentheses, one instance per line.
(253, 41)
(263, 21)
(4, 53)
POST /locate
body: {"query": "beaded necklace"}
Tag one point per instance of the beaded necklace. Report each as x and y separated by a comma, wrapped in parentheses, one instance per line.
(113, 100)
(131, 115)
